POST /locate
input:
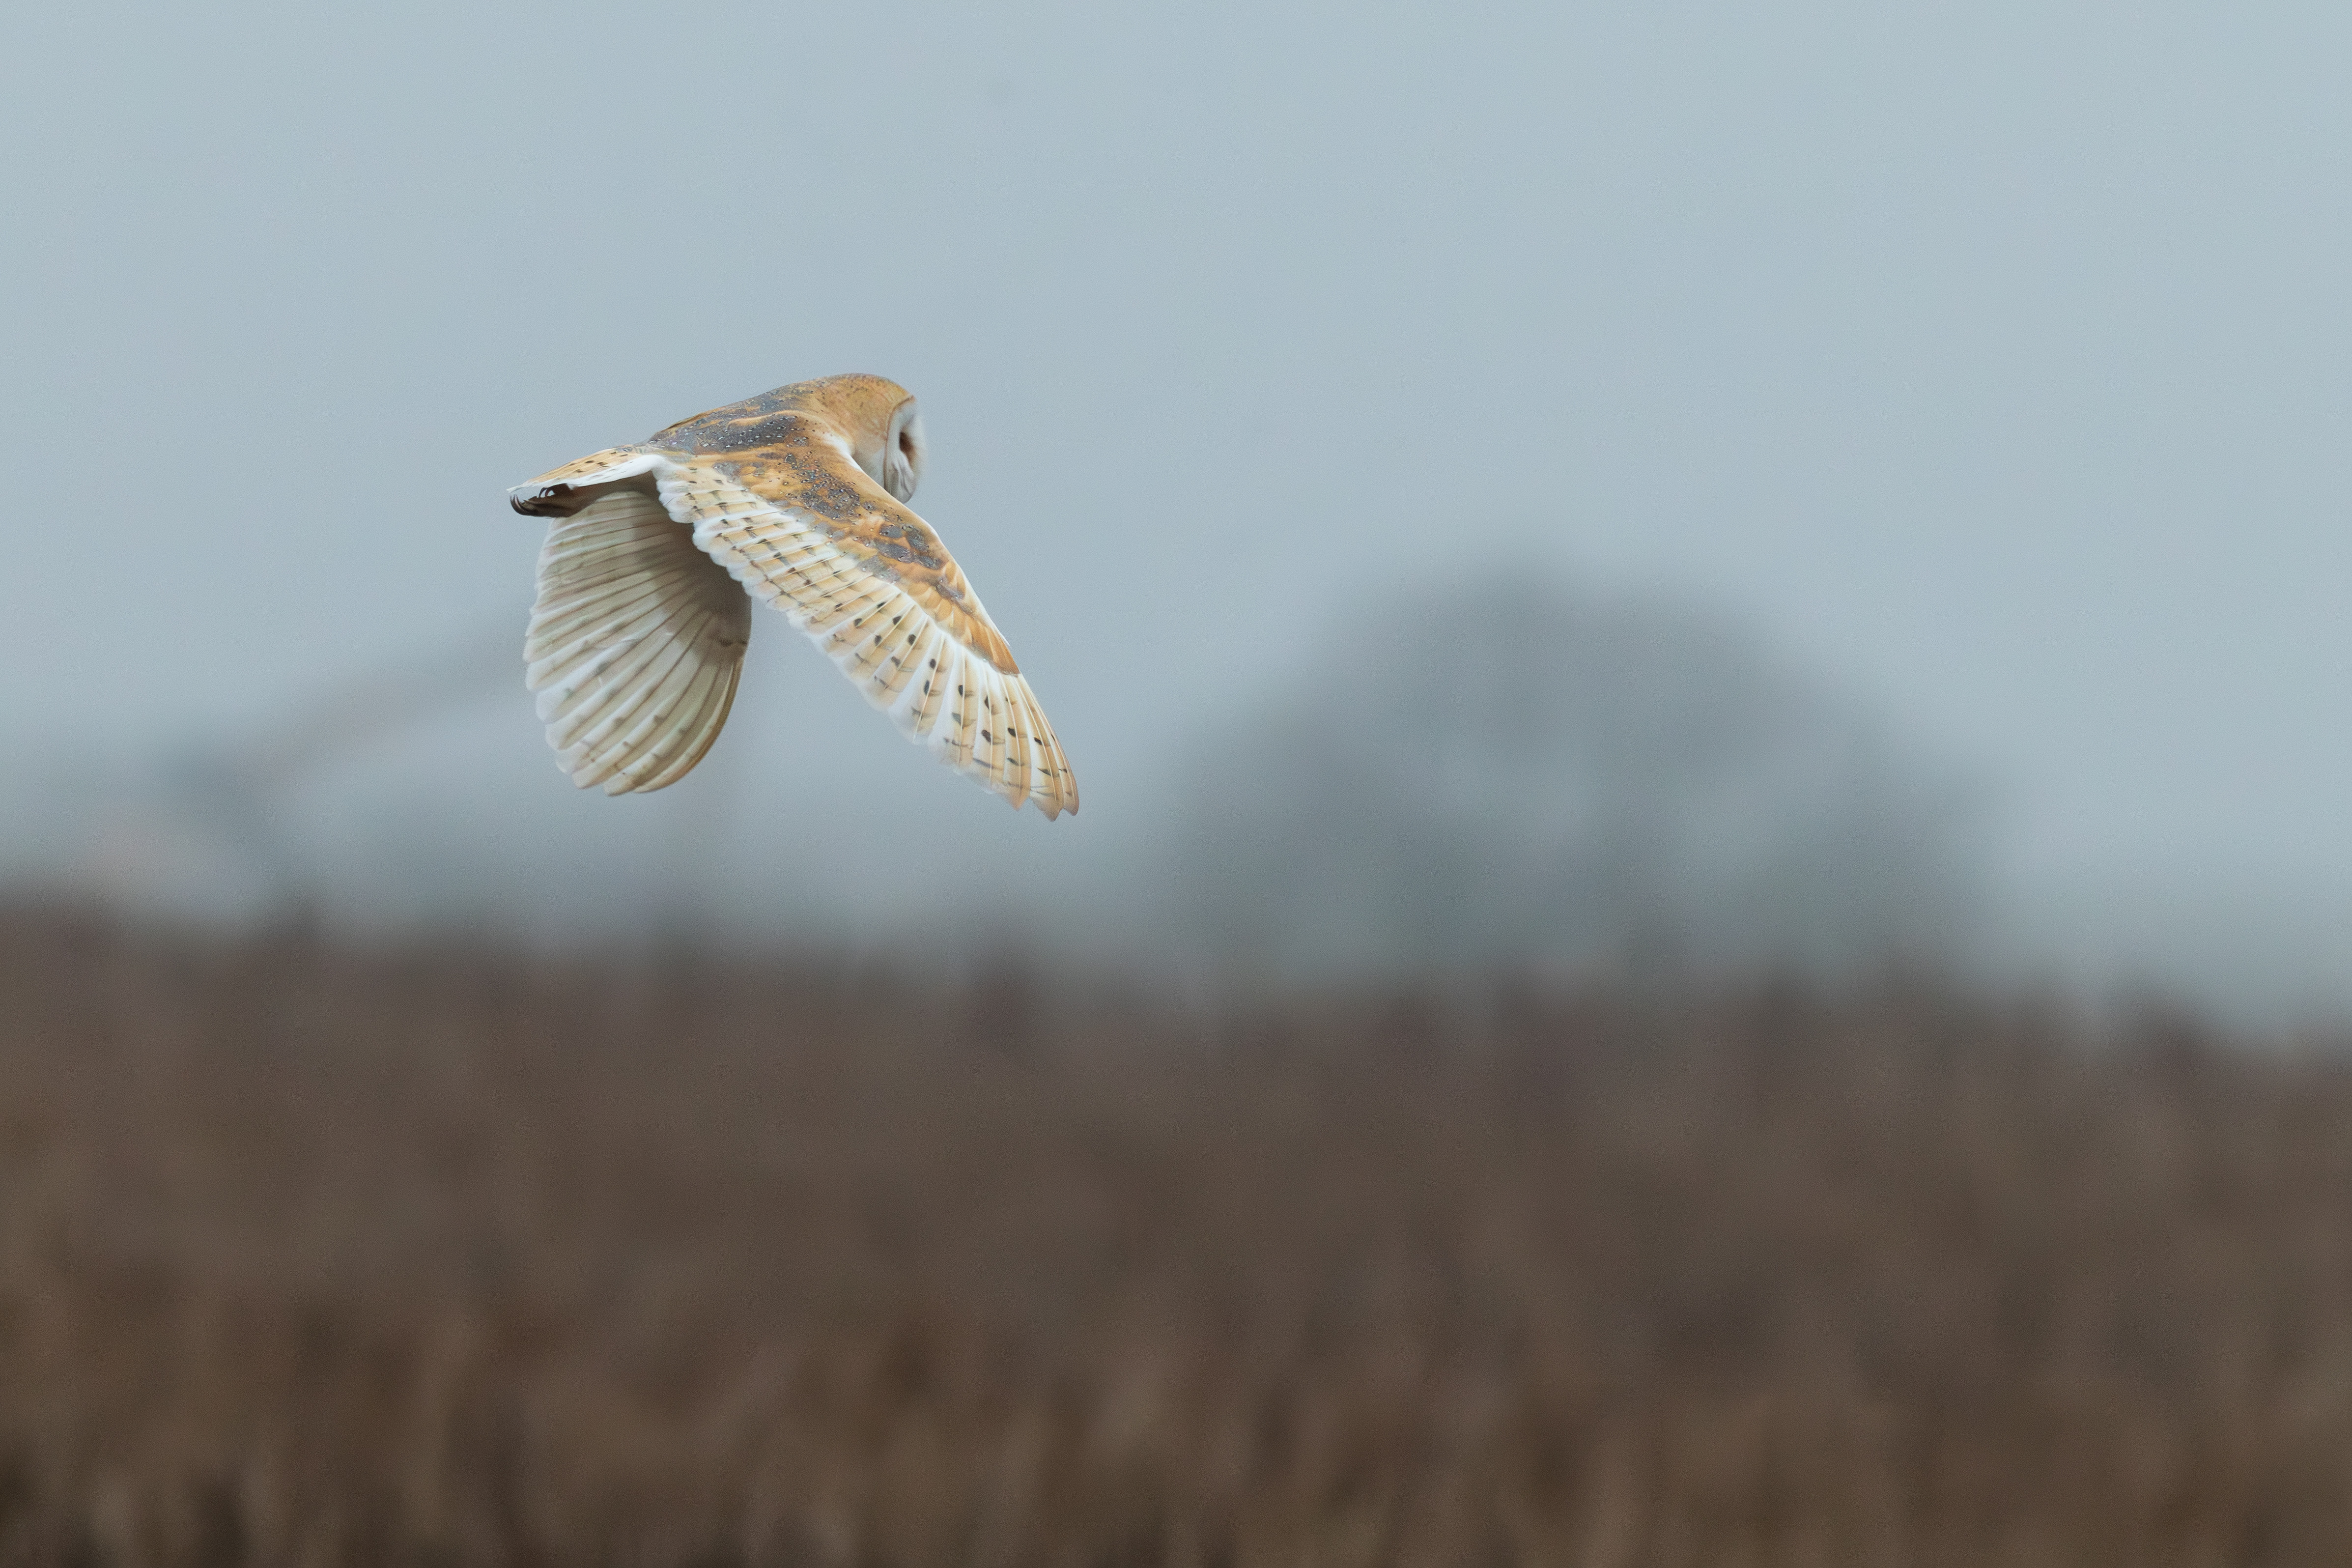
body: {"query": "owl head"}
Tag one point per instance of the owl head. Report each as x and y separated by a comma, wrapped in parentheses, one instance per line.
(883, 428)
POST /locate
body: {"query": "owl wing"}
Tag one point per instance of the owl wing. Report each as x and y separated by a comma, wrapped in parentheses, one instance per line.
(635, 646)
(803, 528)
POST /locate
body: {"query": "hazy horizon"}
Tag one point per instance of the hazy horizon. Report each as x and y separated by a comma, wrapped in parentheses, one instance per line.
(1988, 363)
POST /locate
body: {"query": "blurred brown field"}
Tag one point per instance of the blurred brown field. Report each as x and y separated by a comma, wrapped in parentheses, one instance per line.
(458, 1257)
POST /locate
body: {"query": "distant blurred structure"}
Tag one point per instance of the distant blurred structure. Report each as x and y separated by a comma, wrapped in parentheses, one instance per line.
(208, 830)
(1534, 776)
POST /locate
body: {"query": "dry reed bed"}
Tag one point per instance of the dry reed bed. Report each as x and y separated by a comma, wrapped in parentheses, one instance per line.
(450, 1257)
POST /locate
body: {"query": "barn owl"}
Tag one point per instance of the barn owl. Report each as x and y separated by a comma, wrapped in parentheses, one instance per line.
(799, 495)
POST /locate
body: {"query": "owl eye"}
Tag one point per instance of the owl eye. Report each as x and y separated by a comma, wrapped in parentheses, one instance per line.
(906, 443)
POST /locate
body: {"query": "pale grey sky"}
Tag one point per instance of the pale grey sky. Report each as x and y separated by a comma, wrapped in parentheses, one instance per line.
(1993, 356)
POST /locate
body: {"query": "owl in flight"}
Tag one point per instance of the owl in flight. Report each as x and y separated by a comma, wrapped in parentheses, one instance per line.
(799, 495)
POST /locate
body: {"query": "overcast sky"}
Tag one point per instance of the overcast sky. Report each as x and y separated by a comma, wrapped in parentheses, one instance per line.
(1993, 357)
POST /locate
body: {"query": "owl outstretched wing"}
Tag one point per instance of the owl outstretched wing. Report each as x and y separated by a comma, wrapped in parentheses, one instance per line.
(801, 527)
(635, 646)
(806, 531)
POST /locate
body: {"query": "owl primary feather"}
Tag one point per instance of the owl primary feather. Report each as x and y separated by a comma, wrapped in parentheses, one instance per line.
(798, 497)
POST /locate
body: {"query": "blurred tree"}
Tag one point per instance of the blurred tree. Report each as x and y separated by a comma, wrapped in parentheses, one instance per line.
(1534, 777)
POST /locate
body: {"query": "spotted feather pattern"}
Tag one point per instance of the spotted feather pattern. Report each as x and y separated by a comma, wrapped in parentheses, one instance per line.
(979, 719)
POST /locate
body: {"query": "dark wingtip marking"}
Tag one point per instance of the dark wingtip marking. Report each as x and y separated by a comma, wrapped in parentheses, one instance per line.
(553, 500)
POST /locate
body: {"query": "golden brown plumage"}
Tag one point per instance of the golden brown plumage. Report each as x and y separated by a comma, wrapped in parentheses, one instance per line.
(798, 495)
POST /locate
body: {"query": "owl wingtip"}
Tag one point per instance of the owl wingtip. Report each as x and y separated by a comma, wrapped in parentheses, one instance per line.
(543, 500)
